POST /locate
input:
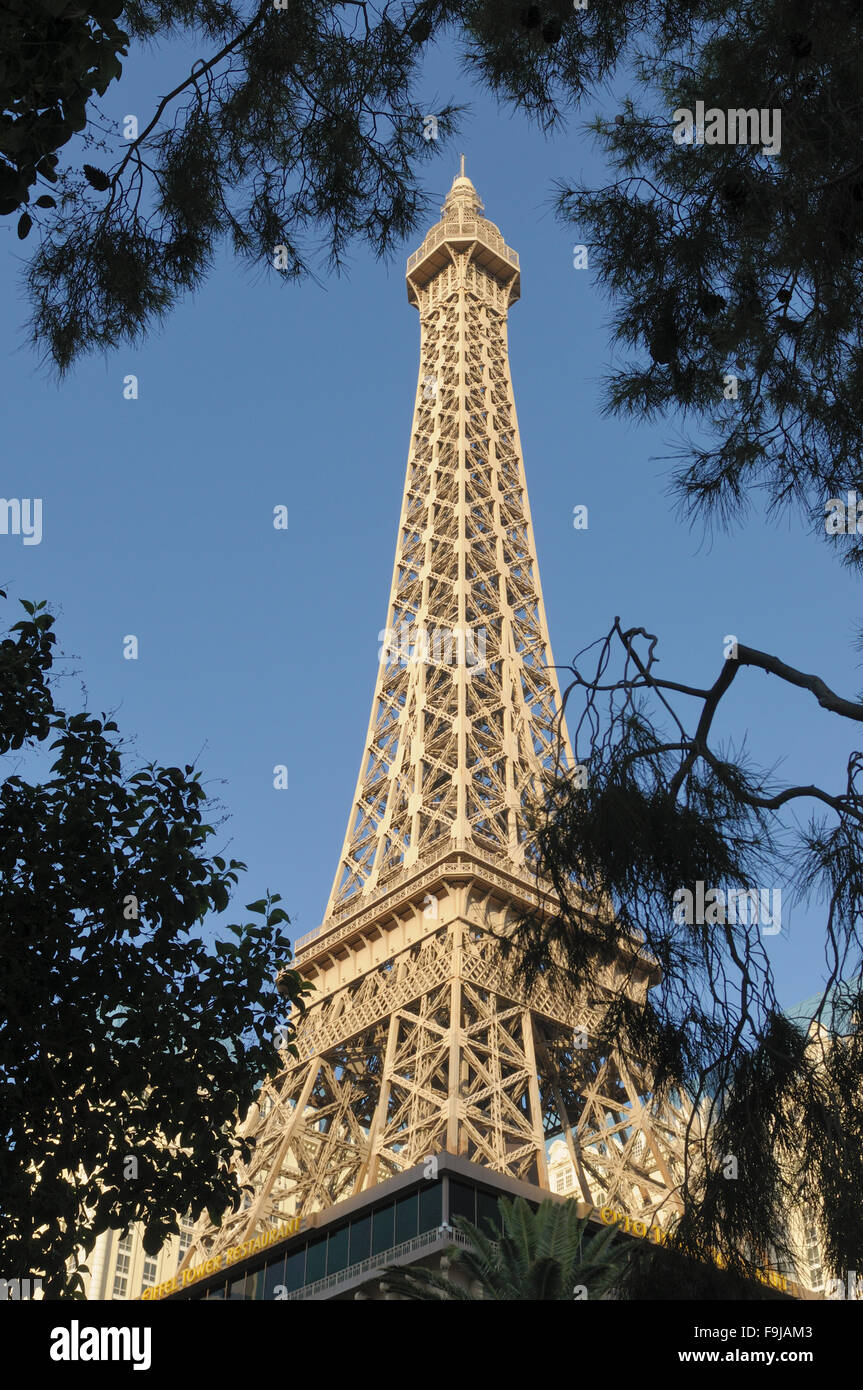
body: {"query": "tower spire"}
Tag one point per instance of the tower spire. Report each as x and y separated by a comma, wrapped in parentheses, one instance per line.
(465, 725)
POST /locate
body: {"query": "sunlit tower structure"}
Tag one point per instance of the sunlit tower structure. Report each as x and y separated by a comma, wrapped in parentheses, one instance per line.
(418, 1043)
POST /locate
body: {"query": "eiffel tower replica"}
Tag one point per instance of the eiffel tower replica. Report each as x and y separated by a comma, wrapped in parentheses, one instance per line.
(417, 1045)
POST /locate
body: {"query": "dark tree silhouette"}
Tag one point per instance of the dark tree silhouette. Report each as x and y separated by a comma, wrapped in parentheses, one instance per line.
(128, 1045)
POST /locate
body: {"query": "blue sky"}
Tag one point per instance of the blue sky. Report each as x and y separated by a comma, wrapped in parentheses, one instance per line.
(259, 647)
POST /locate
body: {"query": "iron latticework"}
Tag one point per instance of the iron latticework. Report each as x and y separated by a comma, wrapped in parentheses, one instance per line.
(465, 709)
(418, 1038)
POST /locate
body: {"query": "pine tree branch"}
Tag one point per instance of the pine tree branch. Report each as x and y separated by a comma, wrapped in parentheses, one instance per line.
(849, 709)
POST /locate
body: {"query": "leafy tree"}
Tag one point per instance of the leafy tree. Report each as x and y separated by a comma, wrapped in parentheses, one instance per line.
(550, 1253)
(55, 55)
(737, 272)
(664, 809)
(299, 120)
(128, 1046)
(297, 129)
(660, 1272)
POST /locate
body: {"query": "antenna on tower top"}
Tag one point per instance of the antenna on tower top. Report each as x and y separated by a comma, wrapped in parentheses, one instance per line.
(462, 166)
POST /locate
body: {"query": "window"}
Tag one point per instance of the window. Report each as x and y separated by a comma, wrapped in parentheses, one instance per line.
(563, 1180)
(487, 1213)
(382, 1229)
(813, 1255)
(186, 1228)
(337, 1251)
(121, 1267)
(462, 1200)
(151, 1265)
(274, 1276)
(361, 1239)
(316, 1260)
(431, 1206)
(407, 1214)
(295, 1270)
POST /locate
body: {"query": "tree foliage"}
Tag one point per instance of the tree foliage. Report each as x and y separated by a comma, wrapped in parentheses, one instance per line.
(662, 809)
(298, 123)
(298, 129)
(128, 1045)
(55, 55)
(548, 1254)
(725, 262)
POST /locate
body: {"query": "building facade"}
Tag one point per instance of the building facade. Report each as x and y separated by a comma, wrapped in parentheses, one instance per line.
(826, 1026)
(119, 1267)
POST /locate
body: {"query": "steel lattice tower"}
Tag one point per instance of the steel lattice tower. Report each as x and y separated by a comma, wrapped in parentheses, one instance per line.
(417, 1039)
